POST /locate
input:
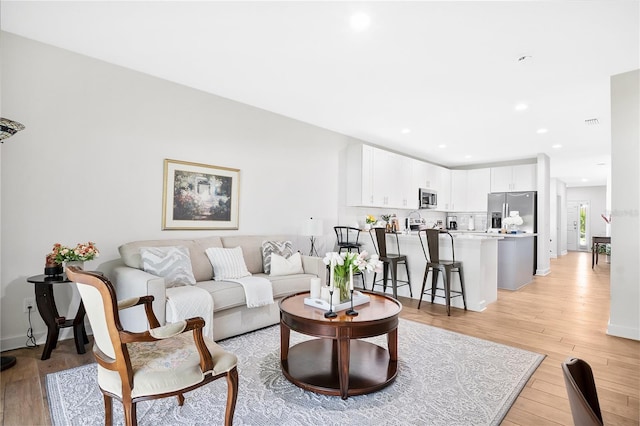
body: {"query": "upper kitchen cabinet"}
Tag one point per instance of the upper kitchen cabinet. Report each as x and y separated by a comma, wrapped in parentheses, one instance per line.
(379, 178)
(469, 189)
(391, 179)
(360, 175)
(514, 178)
(443, 187)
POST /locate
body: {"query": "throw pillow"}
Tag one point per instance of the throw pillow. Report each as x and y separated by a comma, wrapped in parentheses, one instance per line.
(228, 263)
(171, 262)
(283, 248)
(289, 266)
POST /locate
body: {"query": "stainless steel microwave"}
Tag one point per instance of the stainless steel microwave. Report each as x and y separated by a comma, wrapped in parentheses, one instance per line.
(427, 198)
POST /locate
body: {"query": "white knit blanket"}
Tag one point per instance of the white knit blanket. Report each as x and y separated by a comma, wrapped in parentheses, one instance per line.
(257, 290)
(190, 301)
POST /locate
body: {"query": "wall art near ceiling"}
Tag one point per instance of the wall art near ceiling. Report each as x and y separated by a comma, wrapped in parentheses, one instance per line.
(199, 196)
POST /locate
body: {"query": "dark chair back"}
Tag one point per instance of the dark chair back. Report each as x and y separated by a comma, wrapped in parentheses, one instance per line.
(347, 235)
(380, 242)
(433, 244)
(581, 388)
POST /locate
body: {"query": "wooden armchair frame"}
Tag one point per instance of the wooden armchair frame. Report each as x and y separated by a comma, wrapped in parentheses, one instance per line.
(119, 338)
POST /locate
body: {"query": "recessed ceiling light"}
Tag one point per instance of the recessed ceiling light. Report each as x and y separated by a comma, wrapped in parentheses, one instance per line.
(521, 107)
(467, 156)
(360, 21)
(584, 180)
(542, 131)
(405, 131)
(442, 145)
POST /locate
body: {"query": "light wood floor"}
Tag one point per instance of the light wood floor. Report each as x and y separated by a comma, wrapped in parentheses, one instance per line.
(560, 315)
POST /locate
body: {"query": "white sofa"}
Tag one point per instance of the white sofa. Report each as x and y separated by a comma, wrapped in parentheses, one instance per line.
(231, 316)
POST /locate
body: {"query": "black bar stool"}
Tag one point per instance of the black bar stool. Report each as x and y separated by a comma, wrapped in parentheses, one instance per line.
(380, 245)
(435, 265)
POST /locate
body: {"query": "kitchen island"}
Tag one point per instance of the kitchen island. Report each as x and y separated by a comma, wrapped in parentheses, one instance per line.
(477, 252)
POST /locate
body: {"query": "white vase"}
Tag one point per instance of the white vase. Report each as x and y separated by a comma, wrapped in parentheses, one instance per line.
(78, 263)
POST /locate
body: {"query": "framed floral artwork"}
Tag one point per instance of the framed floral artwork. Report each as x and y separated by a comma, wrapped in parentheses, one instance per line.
(199, 196)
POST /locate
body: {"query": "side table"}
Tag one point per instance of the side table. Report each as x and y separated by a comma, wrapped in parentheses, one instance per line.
(49, 312)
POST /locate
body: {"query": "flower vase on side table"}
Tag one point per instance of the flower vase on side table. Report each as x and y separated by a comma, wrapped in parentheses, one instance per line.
(78, 263)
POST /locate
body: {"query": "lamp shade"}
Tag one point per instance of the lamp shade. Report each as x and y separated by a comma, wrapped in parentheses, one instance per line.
(313, 227)
(9, 128)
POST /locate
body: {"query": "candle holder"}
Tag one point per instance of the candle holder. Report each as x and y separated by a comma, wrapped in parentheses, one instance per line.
(352, 312)
(330, 313)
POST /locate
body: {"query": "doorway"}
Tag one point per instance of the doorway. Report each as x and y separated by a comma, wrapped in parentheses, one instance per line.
(578, 229)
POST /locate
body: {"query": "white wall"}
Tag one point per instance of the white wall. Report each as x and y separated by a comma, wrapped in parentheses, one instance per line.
(625, 205)
(544, 215)
(597, 198)
(89, 165)
(561, 191)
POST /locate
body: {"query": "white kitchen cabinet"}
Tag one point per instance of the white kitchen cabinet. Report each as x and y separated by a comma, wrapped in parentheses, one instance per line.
(514, 178)
(478, 186)
(469, 189)
(459, 190)
(443, 187)
(360, 175)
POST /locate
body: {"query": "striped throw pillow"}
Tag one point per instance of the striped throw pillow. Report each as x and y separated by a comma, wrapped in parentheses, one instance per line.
(172, 263)
(228, 263)
(282, 248)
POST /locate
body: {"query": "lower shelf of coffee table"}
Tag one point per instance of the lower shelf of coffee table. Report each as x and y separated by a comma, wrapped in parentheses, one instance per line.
(313, 365)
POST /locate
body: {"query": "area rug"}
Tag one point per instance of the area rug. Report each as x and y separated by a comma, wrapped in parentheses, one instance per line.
(444, 378)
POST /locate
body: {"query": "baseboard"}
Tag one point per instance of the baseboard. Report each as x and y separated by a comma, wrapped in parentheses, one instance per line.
(623, 331)
(18, 342)
(543, 272)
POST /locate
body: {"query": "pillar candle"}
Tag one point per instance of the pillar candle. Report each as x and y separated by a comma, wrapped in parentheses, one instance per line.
(315, 288)
(331, 267)
(351, 277)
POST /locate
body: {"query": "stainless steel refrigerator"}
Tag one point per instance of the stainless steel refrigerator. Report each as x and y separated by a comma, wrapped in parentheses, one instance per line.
(501, 204)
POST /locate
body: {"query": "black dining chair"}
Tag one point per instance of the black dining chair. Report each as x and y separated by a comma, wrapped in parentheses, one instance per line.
(390, 262)
(581, 389)
(347, 237)
(436, 265)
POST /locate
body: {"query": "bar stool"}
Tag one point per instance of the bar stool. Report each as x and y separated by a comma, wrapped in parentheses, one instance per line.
(435, 265)
(347, 237)
(389, 260)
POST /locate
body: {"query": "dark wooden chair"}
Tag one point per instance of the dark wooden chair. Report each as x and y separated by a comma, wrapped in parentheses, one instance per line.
(347, 237)
(436, 265)
(581, 388)
(158, 363)
(390, 262)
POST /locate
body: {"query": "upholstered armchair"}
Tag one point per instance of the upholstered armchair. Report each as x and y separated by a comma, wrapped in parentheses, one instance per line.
(134, 367)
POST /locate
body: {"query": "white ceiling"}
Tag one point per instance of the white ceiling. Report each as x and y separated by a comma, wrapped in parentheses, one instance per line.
(447, 70)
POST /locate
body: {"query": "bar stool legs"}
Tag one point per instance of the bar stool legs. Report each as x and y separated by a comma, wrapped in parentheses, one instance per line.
(446, 278)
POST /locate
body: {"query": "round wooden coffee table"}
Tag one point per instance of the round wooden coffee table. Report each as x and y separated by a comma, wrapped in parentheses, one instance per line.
(338, 363)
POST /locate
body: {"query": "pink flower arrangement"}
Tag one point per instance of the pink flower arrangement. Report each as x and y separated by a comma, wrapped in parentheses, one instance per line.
(82, 252)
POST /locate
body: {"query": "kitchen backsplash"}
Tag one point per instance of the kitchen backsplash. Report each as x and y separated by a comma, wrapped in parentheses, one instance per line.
(479, 220)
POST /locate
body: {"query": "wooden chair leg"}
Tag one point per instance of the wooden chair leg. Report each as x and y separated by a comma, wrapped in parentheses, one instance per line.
(108, 410)
(130, 418)
(180, 399)
(232, 396)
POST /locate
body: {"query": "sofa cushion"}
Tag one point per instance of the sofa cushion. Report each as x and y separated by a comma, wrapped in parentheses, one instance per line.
(227, 295)
(202, 269)
(283, 248)
(228, 263)
(251, 248)
(171, 262)
(286, 266)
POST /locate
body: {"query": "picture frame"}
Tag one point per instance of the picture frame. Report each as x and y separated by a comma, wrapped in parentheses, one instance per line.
(200, 196)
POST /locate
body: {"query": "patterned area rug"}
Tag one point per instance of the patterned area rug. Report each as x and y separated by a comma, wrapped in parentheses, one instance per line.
(444, 378)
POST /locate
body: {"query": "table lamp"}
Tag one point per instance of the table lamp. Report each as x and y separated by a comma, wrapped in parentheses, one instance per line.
(313, 229)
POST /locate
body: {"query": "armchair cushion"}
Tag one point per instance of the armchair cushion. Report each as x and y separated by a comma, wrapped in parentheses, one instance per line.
(172, 262)
(165, 366)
